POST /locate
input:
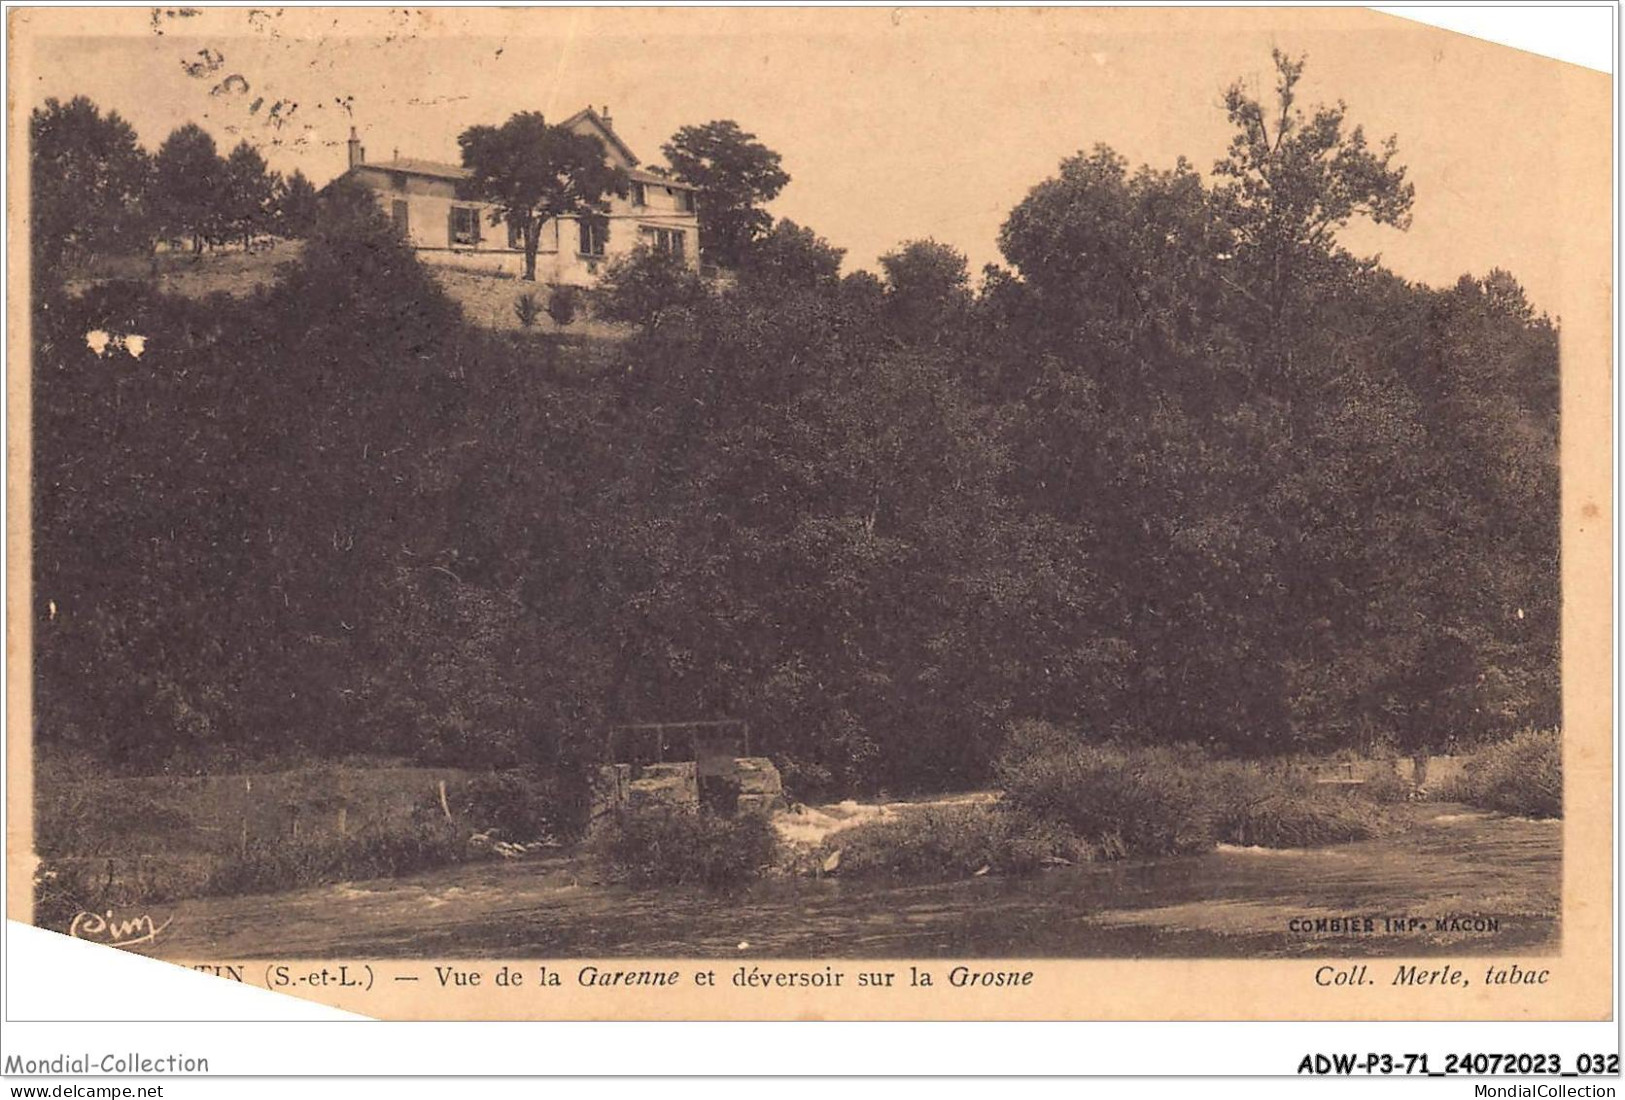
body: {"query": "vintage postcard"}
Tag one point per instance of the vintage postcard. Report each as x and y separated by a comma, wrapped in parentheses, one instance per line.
(566, 513)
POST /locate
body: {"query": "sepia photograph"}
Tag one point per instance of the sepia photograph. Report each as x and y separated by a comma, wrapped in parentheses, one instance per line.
(824, 499)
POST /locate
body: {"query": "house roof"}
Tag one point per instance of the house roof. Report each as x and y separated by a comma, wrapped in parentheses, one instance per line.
(587, 114)
(413, 166)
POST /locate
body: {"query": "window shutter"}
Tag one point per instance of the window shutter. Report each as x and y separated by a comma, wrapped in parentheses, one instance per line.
(479, 225)
(451, 227)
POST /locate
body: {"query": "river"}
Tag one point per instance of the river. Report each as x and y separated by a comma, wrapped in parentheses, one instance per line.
(1498, 878)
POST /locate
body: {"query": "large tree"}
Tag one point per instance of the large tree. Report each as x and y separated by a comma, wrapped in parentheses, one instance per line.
(793, 255)
(295, 205)
(189, 186)
(735, 174)
(1314, 534)
(1295, 180)
(533, 172)
(1107, 503)
(927, 289)
(249, 189)
(88, 183)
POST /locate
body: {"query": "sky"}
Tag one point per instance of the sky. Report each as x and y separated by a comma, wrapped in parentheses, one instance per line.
(894, 124)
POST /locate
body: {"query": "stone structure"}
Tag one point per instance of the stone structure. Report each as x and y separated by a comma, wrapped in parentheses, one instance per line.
(673, 786)
(742, 784)
(761, 790)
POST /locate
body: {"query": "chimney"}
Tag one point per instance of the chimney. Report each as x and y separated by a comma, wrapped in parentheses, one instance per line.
(358, 155)
(605, 114)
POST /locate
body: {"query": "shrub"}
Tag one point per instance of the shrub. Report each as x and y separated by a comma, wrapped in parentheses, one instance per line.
(562, 303)
(284, 864)
(950, 842)
(1386, 785)
(1253, 806)
(517, 806)
(92, 818)
(64, 887)
(79, 812)
(804, 780)
(1457, 788)
(678, 847)
(1029, 739)
(527, 309)
(1120, 801)
(60, 891)
(358, 281)
(1522, 775)
(638, 287)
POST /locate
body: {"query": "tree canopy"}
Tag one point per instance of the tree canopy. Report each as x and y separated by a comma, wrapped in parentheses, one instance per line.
(189, 182)
(294, 206)
(533, 171)
(927, 289)
(1113, 487)
(736, 173)
(95, 193)
(249, 191)
(88, 183)
(793, 255)
(1295, 179)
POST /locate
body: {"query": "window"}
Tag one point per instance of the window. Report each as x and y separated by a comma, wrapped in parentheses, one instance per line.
(639, 198)
(685, 201)
(516, 235)
(398, 215)
(594, 236)
(670, 241)
(397, 180)
(465, 226)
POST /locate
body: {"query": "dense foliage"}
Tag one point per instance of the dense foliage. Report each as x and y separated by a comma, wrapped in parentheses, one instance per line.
(1071, 800)
(735, 174)
(87, 183)
(94, 192)
(955, 841)
(683, 847)
(1521, 775)
(1186, 471)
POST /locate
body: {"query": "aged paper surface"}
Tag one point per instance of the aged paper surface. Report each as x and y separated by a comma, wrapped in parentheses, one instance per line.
(401, 76)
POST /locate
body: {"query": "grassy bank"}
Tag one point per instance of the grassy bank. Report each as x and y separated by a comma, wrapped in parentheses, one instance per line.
(1522, 775)
(121, 842)
(110, 843)
(1068, 801)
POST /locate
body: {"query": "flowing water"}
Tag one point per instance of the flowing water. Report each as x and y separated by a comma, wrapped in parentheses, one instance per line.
(1497, 877)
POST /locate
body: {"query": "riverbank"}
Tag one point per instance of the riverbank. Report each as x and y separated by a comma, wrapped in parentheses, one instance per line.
(1475, 882)
(118, 843)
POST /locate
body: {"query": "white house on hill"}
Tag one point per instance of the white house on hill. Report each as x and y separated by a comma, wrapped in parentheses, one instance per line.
(427, 200)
